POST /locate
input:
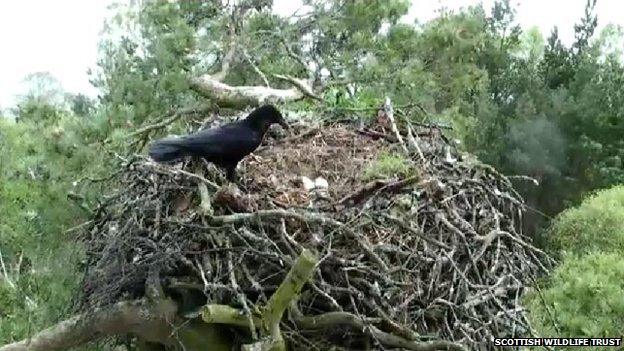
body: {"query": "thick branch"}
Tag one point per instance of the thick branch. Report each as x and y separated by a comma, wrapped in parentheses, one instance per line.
(151, 321)
(224, 314)
(225, 95)
(288, 291)
(272, 314)
(212, 87)
(335, 319)
(302, 85)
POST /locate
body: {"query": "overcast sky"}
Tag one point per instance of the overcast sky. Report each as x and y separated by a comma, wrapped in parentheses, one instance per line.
(61, 36)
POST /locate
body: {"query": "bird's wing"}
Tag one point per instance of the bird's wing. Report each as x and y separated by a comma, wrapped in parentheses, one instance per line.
(227, 142)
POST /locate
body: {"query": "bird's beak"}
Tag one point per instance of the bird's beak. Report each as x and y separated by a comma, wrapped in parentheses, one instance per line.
(284, 125)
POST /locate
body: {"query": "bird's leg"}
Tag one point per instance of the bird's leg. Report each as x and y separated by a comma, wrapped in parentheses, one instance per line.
(231, 173)
(231, 176)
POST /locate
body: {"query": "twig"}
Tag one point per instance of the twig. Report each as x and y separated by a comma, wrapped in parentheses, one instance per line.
(241, 298)
(5, 274)
(304, 217)
(256, 68)
(387, 107)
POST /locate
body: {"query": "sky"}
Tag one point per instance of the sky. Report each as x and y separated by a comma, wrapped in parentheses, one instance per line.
(61, 36)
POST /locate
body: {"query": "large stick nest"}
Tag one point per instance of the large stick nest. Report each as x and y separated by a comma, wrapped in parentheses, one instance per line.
(437, 253)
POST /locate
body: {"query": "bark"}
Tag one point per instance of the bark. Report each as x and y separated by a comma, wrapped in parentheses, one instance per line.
(239, 97)
(149, 321)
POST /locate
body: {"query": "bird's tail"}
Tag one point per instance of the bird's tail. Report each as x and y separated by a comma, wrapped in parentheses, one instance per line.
(165, 150)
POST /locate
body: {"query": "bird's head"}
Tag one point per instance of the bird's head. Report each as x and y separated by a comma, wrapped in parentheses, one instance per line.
(264, 116)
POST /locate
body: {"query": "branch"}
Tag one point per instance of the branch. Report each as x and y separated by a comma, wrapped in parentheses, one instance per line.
(272, 314)
(5, 274)
(212, 87)
(417, 232)
(335, 319)
(229, 56)
(292, 54)
(288, 291)
(308, 217)
(205, 204)
(225, 314)
(387, 107)
(239, 97)
(411, 141)
(374, 187)
(151, 321)
(172, 118)
(256, 68)
(300, 84)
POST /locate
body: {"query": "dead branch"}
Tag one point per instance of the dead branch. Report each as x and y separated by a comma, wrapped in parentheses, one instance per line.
(302, 85)
(239, 97)
(256, 69)
(172, 118)
(228, 58)
(151, 321)
(387, 107)
(212, 86)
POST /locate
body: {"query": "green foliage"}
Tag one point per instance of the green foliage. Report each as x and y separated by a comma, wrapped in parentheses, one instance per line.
(37, 111)
(386, 166)
(145, 72)
(596, 225)
(583, 298)
(40, 160)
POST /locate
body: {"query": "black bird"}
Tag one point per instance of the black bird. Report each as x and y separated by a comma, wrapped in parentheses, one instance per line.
(224, 146)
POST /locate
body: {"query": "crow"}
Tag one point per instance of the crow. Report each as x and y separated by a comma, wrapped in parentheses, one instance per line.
(224, 146)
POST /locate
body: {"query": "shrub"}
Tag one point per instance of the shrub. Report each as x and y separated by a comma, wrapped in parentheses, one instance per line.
(583, 298)
(38, 165)
(596, 225)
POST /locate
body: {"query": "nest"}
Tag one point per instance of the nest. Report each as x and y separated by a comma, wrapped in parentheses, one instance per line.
(438, 253)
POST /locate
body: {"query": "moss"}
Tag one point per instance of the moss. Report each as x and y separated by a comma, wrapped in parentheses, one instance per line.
(387, 166)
